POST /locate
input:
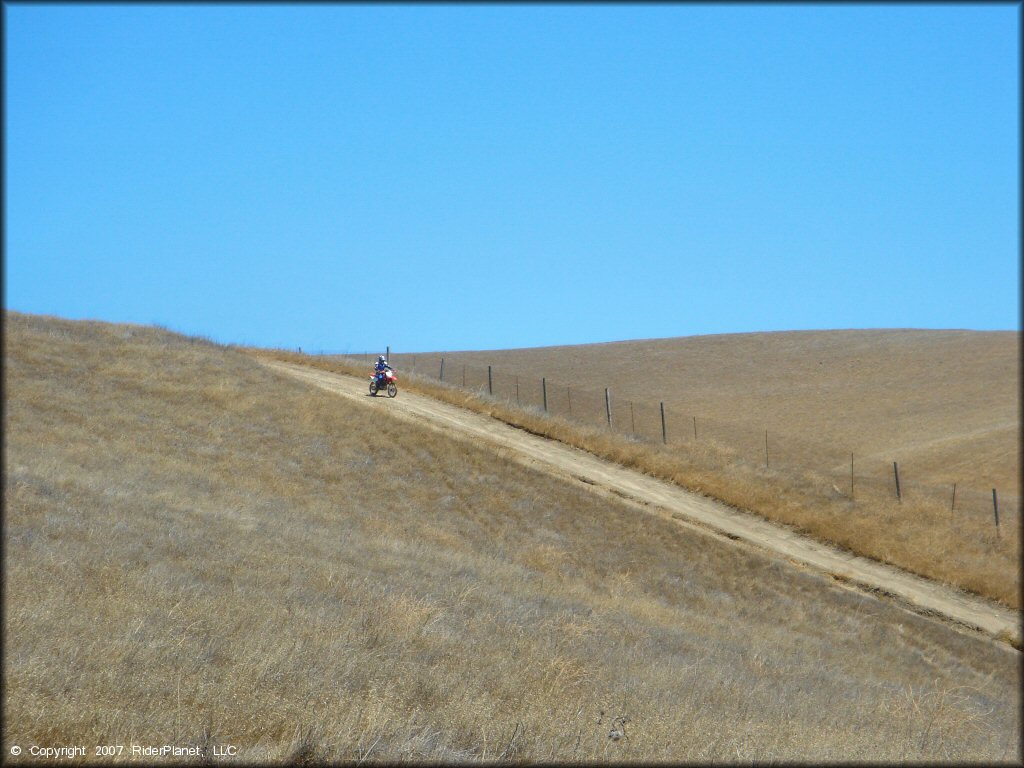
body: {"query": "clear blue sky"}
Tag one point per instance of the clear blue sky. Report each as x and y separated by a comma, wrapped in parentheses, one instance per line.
(491, 176)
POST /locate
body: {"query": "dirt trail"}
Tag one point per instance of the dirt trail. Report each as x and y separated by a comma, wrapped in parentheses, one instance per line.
(666, 500)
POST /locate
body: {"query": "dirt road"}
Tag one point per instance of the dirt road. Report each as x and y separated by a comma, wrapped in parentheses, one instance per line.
(700, 513)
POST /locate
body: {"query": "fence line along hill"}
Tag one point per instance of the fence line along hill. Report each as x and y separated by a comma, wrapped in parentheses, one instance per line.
(205, 553)
(944, 404)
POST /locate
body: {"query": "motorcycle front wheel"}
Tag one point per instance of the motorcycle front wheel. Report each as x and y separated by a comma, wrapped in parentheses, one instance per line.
(392, 389)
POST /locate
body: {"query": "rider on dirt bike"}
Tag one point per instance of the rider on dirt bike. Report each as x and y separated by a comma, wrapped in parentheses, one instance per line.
(383, 378)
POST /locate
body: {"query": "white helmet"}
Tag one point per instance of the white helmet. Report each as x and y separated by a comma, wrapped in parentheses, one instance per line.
(380, 359)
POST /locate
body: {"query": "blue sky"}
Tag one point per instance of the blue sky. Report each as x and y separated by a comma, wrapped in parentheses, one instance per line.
(345, 177)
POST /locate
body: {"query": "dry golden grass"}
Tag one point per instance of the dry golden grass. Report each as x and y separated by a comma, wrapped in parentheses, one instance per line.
(919, 534)
(201, 552)
(944, 404)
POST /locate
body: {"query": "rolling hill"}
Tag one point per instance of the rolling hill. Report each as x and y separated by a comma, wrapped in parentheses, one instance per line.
(201, 552)
(945, 404)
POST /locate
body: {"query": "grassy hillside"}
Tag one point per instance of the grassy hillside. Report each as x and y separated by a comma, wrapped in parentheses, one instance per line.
(201, 552)
(919, 533)
(945, 404)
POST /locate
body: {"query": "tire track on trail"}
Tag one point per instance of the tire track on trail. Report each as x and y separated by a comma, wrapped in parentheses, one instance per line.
(664, 499)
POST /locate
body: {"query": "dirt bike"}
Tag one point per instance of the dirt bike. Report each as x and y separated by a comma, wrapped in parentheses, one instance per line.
(384, 380)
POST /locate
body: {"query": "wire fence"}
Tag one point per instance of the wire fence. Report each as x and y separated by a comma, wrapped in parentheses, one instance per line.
(643, 418)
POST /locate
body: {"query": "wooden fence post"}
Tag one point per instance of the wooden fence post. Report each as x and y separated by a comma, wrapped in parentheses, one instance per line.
(441, 377)
(851, 476)
(544, 391)
(632, 418)
(387, 354)
(517, 389)
(490, 384)
(694, 427)
(952, 505)
(568, 394)
(608, 406)
(896, 472)
(766, 449)
(664, 433)
(463, 377)
(995, 509)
